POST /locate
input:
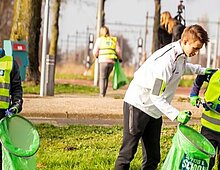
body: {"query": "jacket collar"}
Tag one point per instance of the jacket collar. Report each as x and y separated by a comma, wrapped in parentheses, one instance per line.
(178, 50)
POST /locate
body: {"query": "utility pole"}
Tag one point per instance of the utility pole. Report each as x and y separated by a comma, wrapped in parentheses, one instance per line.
(99, 24)
(145, 36)
(217, 45)
(67, 47)
(76, 44)
(43, 87)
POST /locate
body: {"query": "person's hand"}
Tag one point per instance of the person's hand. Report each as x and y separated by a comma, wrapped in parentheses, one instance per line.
(11, 111)
(184, 116)
(209, 71)
(195, 100)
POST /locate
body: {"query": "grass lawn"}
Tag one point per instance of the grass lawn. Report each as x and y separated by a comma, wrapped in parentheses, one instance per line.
(88, 147)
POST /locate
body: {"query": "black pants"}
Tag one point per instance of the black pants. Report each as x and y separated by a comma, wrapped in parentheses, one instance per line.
(2, 115)
(138, 125)
(214, 138)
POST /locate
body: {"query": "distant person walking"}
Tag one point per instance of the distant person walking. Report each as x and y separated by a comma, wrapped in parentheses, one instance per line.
(150, 93)
(170, 29)
(107, 50)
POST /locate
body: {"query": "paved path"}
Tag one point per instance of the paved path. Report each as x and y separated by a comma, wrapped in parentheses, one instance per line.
(84, 109)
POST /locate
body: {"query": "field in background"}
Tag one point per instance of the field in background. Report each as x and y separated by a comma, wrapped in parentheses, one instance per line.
(77, 71)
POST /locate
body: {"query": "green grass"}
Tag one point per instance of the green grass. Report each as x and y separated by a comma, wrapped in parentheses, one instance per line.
(29, 88)
(186, 82)
(78, 147)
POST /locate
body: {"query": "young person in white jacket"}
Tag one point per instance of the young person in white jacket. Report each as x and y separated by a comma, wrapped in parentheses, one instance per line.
(150, 93)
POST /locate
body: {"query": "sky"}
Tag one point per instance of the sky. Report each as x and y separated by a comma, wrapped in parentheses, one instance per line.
(128, 17)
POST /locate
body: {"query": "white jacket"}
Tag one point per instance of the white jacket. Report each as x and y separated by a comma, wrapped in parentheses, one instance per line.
(167, 64)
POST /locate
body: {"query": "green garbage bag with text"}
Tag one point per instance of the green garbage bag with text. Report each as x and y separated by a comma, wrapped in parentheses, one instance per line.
(119, 78)
(190, 150)
(20, 142)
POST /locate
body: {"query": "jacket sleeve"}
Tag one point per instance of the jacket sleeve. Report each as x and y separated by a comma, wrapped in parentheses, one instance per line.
(16, 91)
(164, 107)
(161, 78)
(197, 85)
(194, 69)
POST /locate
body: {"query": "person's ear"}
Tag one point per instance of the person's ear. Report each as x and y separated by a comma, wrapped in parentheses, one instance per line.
(185, 41)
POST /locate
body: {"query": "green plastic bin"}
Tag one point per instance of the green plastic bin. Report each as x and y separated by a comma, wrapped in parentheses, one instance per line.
(20, 142)
(190, 151)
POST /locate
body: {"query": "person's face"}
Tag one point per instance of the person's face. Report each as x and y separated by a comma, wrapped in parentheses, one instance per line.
(191, 48)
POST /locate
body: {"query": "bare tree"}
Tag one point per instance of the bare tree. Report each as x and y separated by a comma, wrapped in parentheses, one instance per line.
(55, 28)
(156, 25)
(33, 40)
(20, 20)
(6, 15)
(26, 27)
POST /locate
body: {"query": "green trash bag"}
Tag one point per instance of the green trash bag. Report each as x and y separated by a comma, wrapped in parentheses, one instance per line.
(20, 141)
(190, 150)
(119, 78)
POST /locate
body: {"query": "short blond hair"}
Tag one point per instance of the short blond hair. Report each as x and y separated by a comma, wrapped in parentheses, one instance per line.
(104, 31)
(194, 33)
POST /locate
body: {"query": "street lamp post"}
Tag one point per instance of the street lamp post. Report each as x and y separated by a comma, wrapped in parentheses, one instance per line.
(44, 50)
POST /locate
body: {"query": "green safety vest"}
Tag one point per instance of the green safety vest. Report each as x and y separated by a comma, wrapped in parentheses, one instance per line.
(211, 119)
(107, 47)
(6, 63)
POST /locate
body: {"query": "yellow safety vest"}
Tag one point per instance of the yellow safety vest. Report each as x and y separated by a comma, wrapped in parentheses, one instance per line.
(6, 63)
(107, 47)
(211, 119)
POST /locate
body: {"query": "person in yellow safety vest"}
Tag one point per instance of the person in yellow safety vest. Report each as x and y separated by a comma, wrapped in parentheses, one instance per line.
(10, 88)
(107, 50)
(210, 119)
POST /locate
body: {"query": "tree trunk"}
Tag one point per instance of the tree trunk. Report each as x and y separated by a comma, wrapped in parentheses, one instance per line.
(55, 28)
(6, 15)
(155, 44)
(20, 20)
(33, 41)
(26, 27)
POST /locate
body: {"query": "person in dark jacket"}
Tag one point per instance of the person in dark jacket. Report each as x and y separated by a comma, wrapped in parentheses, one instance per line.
(177, 31)
(10, 86)
(170, 29)
(164, 37)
